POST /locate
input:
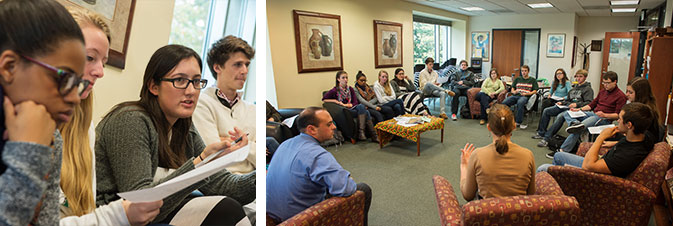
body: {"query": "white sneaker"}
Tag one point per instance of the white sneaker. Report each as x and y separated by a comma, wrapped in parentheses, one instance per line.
(453, 117)
(523, 126)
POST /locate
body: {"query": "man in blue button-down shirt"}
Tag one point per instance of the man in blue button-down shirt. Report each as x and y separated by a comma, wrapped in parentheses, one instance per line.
(302, 173)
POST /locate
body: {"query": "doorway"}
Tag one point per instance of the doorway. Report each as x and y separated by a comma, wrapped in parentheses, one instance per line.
(515, 47)
(620, 51)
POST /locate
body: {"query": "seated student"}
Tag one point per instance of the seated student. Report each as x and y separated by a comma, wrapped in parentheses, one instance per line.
(579, 96)
(559, 89)
(605, 108)
(462, 80)
(386, 95)
(522, 88)
(78, 176)
(427, 81)
(638, 91)
(625, 156)
(367, 96)
(40, 67)
(302, 173)
(220, 107)
(141, 144)
(501, 168)
(406, 91)
(489, 92)
(344, 95)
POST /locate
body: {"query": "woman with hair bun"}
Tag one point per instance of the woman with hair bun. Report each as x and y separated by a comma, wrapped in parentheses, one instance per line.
(501, 168)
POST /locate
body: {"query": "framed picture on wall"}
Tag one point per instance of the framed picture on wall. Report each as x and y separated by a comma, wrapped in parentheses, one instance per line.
(118, 14)
(318, 41)
(387, 44)
(574, 56)
(556, 44)
(480, 45)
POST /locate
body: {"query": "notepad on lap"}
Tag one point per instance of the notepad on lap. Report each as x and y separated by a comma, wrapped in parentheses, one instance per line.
(576, 114)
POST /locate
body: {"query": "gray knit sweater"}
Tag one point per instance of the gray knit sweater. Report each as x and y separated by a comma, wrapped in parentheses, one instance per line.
(127, 158)
(24, 184)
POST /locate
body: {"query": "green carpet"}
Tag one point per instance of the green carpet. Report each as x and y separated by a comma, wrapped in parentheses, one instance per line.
(401, 182)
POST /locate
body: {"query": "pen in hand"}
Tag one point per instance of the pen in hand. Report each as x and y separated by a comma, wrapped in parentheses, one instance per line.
(212, 156)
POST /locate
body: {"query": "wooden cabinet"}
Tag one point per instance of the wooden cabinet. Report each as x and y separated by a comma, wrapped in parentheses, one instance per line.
(659, 70)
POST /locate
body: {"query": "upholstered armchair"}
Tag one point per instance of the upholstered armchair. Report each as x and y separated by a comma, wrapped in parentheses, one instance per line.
(512, 210)
(606, 199)
(475, 106)
(335, 211)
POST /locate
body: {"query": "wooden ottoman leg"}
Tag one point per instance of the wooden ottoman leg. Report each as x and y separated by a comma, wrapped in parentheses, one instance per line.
(442, 135)
(378, 133)
(418, 144)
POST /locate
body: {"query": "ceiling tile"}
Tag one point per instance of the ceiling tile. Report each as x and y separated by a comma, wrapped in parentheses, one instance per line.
(547, 10)
(598, 12)
(594, 2)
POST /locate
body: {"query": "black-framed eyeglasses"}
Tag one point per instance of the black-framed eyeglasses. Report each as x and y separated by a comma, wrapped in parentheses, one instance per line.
(66, 80)
(183, 83)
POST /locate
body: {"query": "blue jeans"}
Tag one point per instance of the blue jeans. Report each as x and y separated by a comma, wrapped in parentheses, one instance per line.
(397, 105)
(459, 91)
(520, 102)
(589, 120)
(360, 109)
(271, 146)
(484, 99)
(546, 116)
(433, 90)
(561, 159)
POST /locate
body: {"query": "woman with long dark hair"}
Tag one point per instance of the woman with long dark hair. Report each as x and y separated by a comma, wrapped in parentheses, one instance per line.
(366, 96)
(406, 91)
(559, 89)
(501, 168)
(141, 144)
(344, 95)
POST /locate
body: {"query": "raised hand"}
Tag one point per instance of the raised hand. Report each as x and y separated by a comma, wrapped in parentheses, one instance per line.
(466, 152)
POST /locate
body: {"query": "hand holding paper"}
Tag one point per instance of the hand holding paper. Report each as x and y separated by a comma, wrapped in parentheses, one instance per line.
(183, 181)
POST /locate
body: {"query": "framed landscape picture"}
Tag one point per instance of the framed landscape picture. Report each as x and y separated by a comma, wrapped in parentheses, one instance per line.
(318, 41)
(387, 44)
(118, 14)
(556, 44)
(480, 46)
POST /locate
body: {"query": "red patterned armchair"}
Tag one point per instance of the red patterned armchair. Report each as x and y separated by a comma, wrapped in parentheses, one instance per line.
(512, 210)
(475, 106)
(610, 200)
(336, 211)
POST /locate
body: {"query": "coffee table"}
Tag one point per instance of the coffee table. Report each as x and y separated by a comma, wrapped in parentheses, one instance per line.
(389, 128)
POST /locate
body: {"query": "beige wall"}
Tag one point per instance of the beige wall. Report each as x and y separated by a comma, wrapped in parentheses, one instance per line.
(305, 89)
(547, 23)
(150, 31)
(594, 28)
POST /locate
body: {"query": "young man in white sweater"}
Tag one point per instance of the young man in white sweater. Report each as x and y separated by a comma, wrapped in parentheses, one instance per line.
(221, 108)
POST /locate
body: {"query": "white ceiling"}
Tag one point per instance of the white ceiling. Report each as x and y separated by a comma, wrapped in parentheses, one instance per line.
(504, 7)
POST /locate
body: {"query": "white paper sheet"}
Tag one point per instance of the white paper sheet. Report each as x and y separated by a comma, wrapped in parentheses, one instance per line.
(599, 129)
(576, 114)
(557, 98)
(562, 106)
(442, 79)
(178, 183)
(289, 121)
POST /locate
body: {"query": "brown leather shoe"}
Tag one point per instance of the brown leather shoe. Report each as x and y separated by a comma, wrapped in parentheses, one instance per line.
(482, 122)
(443, 115)
(451, 93)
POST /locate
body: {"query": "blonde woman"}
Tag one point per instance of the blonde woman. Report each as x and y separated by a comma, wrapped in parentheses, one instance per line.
(386, 95)
(78, 176)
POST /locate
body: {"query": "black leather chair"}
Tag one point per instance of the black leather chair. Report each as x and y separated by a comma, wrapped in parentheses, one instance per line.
(280, 131)
(342, 118)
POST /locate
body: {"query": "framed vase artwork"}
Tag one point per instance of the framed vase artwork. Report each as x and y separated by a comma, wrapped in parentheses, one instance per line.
(318, 41)
(480, 45)
(118, 14)
(556, 45)
(387, 44)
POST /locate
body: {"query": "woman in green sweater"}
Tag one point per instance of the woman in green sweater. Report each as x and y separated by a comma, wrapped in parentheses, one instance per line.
(489, 92)
(141, 144)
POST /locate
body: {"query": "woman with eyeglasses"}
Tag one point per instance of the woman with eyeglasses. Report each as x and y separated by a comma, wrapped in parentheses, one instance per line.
(406, 91)
(40, 76)
(141, 144)
(366, 96)
(78, 175)
(559, 89)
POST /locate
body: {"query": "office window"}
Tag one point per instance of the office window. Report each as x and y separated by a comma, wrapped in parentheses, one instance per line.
(198, 24)
(431, 40)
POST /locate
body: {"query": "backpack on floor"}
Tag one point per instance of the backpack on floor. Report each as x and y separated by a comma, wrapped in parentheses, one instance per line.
(465, 112)
(557, 140)
(337, 139)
